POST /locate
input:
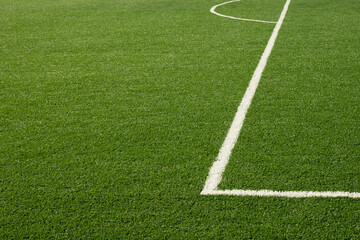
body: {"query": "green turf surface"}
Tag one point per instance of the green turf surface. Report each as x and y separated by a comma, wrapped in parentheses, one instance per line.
(303, 129)
(112, 113)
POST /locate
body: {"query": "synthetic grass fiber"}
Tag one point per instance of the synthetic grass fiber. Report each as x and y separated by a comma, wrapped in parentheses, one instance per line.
(113, 111)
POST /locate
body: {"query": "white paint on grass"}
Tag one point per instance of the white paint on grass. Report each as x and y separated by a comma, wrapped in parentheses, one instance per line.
(212, 10)
(218, 167)
(289, 194)
(222, 159)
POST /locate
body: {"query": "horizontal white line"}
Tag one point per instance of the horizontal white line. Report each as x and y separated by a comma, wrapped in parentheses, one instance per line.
(212, 10)
(289, 194)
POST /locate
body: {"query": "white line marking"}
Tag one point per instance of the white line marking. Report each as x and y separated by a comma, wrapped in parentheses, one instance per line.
(212, 10)
(290, 194)
(222, 159)
(218, 167)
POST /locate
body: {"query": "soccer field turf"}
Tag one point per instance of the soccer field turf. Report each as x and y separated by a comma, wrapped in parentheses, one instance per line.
(113, 112)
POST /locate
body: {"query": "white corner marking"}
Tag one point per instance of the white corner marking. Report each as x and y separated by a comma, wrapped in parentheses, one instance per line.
(218, 167)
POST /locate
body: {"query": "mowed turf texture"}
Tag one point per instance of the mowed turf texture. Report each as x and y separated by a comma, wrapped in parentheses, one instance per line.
(112, 113)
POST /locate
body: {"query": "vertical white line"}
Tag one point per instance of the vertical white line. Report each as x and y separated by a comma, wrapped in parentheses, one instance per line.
(217, 169)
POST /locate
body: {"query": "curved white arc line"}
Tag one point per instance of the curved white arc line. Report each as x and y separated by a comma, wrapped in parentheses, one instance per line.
(212, 10)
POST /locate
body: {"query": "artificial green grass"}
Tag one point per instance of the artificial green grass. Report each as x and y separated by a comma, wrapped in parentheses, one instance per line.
(112, 113)
(303, 129)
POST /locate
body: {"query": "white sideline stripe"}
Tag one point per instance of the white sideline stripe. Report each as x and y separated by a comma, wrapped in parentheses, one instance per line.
(289, 194)
(218, 167)
(212, 10)
(216, 171)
